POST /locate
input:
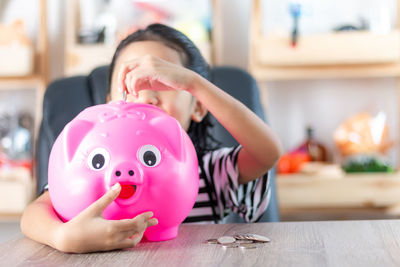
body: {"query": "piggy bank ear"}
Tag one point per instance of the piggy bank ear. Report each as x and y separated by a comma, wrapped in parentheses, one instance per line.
(173, 133)
(74, 132)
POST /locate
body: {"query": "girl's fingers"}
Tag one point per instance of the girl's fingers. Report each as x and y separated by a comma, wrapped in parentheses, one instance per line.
(134, 231)
(152, 222)
(151, 73)
(139, 223)
(160, 86)
(121, 79)
(138, 80)
(125, 69)
(132, 235)
(131, 241)
(129, 83)
(99, 205)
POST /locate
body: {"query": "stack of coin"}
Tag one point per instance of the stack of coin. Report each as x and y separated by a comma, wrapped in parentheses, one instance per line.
(243, 241)
(227, 242)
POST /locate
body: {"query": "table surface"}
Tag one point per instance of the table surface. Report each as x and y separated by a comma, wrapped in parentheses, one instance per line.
(329, 243)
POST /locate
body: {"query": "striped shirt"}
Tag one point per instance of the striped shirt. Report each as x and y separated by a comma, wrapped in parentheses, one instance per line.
(220, 192)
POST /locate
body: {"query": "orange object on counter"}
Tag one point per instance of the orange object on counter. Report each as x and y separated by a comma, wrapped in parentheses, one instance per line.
(292, 162)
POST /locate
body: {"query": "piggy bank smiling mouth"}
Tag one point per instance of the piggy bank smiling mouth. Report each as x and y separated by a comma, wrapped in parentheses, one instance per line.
(127, 191)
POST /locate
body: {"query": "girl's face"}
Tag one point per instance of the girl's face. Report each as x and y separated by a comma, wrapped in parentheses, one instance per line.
(177, 103)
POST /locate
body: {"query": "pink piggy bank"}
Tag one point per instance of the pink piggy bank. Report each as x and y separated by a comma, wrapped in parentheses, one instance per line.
(136, 145)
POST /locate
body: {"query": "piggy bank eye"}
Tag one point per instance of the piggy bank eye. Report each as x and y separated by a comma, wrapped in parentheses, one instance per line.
(149, 155)
(98, 159)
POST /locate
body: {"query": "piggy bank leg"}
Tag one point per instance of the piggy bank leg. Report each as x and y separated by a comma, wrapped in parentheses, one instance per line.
(157, 233)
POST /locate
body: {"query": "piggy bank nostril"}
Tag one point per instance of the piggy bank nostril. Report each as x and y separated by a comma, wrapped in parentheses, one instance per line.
(131, 172)
(118, 173)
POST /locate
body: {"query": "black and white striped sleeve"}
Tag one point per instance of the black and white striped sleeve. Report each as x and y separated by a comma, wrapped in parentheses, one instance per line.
(248, 200)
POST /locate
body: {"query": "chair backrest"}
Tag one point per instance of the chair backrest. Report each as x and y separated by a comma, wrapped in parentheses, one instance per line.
(66, 97)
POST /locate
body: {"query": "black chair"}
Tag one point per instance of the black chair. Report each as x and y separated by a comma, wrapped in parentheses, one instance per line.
(66, 97)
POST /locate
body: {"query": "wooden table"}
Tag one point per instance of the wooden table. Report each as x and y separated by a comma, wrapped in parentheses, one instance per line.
(334, 243)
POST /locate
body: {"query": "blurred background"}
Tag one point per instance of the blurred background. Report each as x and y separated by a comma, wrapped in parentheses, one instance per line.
(328, 73)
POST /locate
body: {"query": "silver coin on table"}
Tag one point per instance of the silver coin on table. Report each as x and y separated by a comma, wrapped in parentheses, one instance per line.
(231, 245)
(240, 237)
(248, 246)
(258, 238)
(226, 240)
(244, 241)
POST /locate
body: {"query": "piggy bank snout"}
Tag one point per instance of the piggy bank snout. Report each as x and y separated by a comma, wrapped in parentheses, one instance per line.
(126, 172)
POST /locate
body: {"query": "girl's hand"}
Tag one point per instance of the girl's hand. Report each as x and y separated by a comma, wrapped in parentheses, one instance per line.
(152, 73)
(89, 231)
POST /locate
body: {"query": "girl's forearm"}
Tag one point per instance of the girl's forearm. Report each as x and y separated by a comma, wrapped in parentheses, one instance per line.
(40, 222)
(261, 147)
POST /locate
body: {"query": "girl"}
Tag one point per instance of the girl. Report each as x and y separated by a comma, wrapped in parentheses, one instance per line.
(162, 67)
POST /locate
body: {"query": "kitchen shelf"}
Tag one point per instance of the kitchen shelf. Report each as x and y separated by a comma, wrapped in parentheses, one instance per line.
(357, 54)
(285, 73)
(22, 81)
(341, 48)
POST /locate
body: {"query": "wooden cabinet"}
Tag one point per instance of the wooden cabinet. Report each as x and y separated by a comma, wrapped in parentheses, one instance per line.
(17, 184)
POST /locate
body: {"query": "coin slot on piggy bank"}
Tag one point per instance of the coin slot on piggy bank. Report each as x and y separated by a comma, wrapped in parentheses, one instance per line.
(136, 145)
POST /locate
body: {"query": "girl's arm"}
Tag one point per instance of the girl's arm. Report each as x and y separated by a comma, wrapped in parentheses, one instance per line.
(88, 231)
(261, 148)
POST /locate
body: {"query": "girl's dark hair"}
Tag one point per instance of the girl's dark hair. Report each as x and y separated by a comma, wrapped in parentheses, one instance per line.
(191, 59)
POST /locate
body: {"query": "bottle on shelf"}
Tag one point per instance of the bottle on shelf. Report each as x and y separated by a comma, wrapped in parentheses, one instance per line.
(311, 146)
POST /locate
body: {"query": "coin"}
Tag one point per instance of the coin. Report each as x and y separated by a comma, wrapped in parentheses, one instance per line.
(231, 245)
(226, 240)
(240, 237)
(258, 238)
(244, 241)
(254, 237)
(248, 246)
